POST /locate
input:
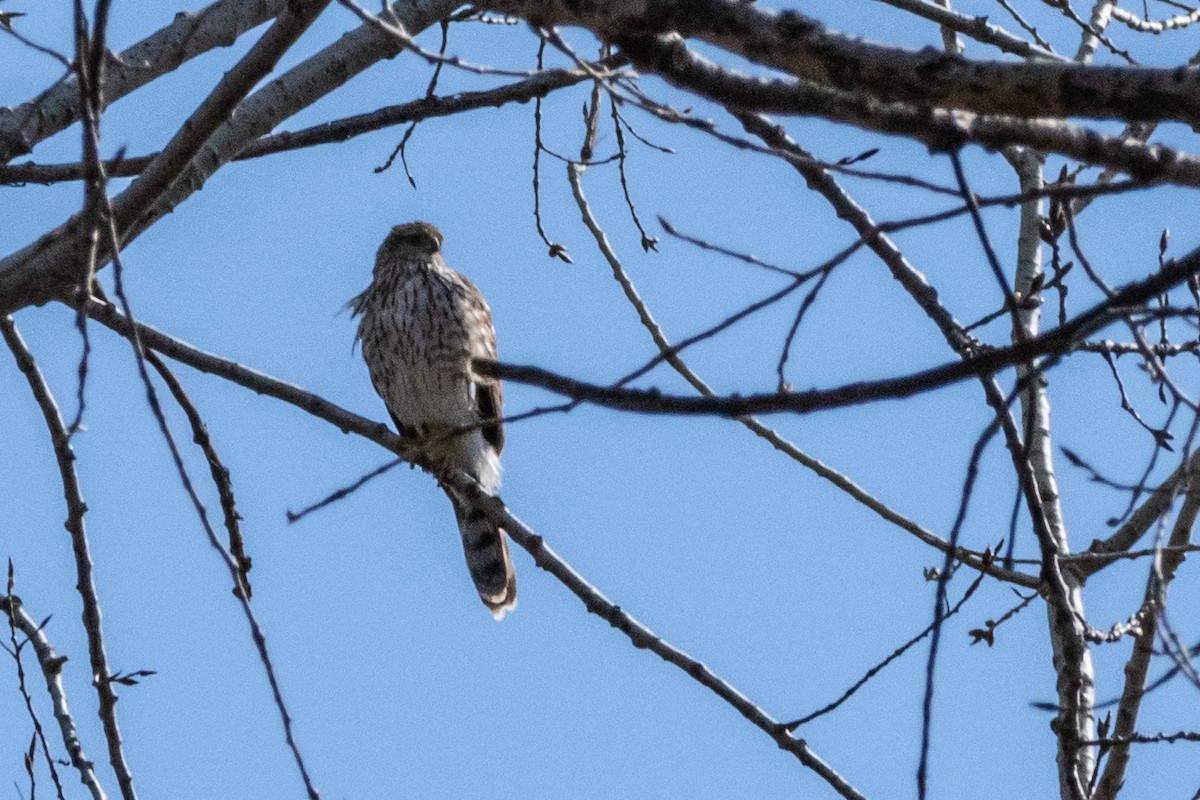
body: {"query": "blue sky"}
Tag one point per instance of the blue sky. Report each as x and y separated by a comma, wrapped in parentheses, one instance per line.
(399, 682)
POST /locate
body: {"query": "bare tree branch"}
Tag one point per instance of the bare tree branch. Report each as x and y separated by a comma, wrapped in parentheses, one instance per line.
(190, 34)
(1093, 31)
(51, 664)
(1143, 518)
(220, 476)
(338, 130)
(1151, 26)
(1038, 447)
(347, 422)
(215, 109)
(1129, 348)
(234, 567)
(670, 354)
(939, 128)
(1138, 665)
(76, 508)
(65, 244)
(899, 651)
(11, 605)
(1057, 593)
(801, 46)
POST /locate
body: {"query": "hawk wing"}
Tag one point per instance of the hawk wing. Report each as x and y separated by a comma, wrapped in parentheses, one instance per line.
(488, 400)
(489, 396)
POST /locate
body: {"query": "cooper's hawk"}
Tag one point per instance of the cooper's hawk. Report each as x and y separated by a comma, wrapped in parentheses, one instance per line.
(422, 322)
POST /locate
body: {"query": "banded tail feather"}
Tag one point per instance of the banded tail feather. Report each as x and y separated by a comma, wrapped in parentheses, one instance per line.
(486, 549)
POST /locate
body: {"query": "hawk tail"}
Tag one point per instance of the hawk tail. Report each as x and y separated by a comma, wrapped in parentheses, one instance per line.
(486, 549)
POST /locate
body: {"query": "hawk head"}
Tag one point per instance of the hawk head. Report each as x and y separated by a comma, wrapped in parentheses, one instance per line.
(413, 239)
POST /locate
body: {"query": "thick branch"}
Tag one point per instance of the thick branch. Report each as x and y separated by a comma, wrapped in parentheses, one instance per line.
(1093, 33)
(1150, 26)
(801, 46)
(65, 245)
(938, 128)
(1039, 450)
(213, 111)
(189, 35)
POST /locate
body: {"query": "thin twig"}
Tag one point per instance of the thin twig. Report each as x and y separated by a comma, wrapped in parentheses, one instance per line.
(984, 240)
(988, 632)
(345, 491)
(704, 244)
(899, 651)
(389, 24)
(1157, 738)
(412, 127)
(554, 249)
(805, 305)
(648, 242)
(7, 28)
(939, 604)
(220, 474)
(1025, 26)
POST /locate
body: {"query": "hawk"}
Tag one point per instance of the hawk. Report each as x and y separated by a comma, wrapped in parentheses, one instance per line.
(422, 323)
